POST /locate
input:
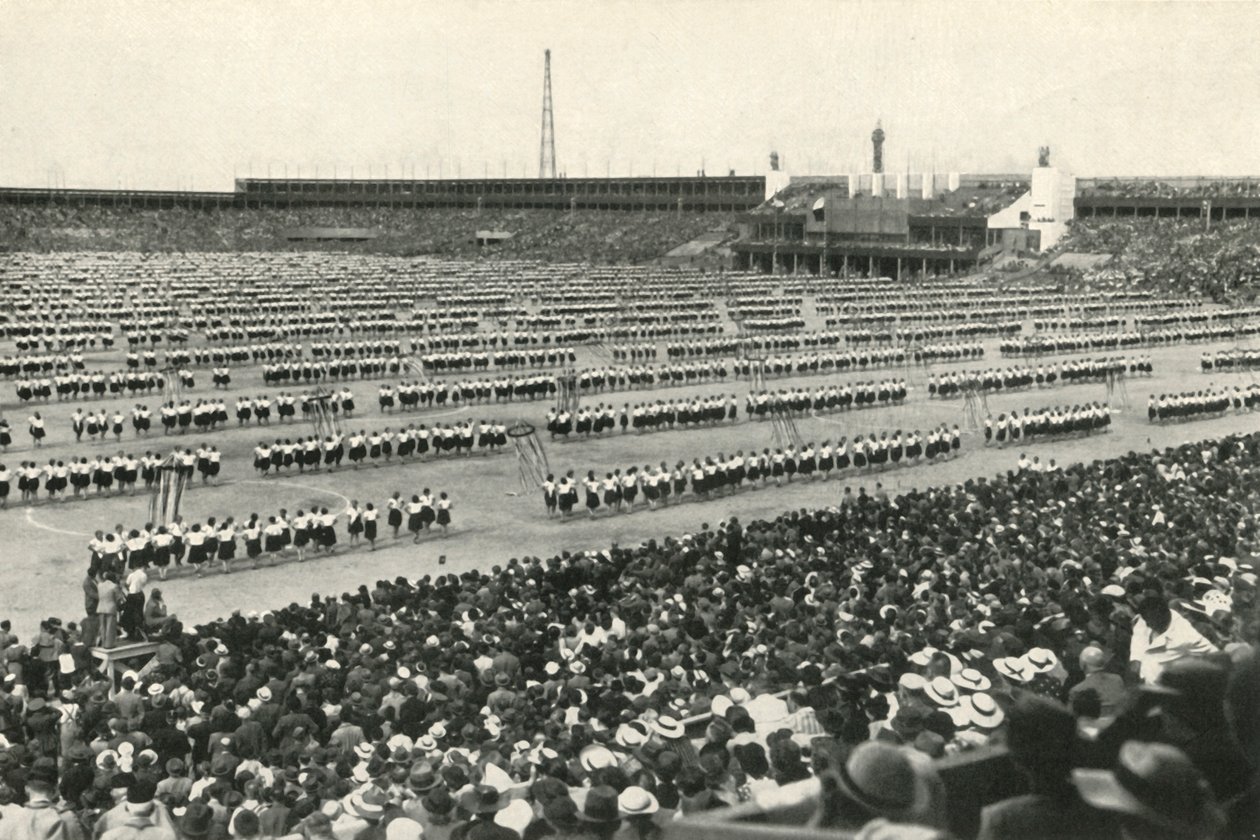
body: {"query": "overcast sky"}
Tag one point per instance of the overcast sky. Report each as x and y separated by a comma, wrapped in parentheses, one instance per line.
(185, 93)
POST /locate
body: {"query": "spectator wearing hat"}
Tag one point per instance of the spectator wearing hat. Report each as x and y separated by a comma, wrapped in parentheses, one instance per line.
(1191, 695)
(559, 818)
(877, 781)
(599, 815)
(362, 812)
(174, 789)
(195, 822)
(437, 814)
(639, 812)
(1156, 792)
(1041, 738)
(482, 803)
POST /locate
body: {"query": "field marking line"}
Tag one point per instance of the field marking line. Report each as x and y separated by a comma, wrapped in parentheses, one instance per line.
(301, 487)
(31, 521)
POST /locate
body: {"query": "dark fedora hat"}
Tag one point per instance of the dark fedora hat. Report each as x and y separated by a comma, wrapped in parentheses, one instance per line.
(600, 805)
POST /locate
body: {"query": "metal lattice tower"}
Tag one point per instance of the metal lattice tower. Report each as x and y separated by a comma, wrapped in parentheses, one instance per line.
(547, 147)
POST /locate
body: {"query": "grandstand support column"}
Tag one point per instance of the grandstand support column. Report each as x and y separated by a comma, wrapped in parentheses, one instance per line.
(844, 266)
(898, 269)
(796, 262)
(870, 267)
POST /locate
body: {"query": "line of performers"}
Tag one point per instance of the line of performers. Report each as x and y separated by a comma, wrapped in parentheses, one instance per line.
(519, 359)
(1195, 405)
(732, 346)
(643, 417)
(1238, 359)
(104, 474)
(501, 389)
(286, 406)
(720, 475)
(826, 398)
(952, 385)
(378, 447)
(306, 532)
(614, 378)
(285, 373)
(1047, 422)
(34, 364)
(98, 385)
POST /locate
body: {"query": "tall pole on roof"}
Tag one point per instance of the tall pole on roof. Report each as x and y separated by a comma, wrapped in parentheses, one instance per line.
(547, 143)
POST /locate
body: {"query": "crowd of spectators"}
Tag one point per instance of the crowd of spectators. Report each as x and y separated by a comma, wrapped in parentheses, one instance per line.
(1098, 619)
(1146, 188)
(1172, 257)
(582, 236)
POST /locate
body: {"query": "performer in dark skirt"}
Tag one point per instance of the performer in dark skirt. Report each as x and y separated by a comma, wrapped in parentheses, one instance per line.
(327, 529)
(415, 522)
(427, 516)
(591, 484)
(566, 496)
(253, 539)
(355, 515)
(196, 547)
(273, 537)
(369, 525)
(394, 517)
(301, 534)
(443, 512)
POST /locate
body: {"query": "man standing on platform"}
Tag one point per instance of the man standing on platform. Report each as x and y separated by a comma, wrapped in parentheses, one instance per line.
(108, 595)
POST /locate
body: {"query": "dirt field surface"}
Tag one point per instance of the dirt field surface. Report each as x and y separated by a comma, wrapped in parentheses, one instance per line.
(44, 546)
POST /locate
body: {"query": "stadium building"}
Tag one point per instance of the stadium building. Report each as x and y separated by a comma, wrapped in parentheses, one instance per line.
(903, 224)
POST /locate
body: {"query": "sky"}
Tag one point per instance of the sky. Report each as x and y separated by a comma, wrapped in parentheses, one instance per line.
(187, 94)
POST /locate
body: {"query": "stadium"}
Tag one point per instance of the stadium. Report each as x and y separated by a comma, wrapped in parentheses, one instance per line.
(893, 504)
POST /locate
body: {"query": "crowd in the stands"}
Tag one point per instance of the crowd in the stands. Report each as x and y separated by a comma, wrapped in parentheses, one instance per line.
(1099, 620)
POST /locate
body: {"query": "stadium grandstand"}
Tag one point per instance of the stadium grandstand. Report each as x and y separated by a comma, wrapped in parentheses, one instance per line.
(594, 220)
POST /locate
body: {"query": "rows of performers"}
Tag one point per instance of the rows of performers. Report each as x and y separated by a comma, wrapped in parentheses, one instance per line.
(96, 385)
(105, 475)
(950, 385)
(33, 364)
(1058, 421)
(643, 417)
(1237, 359)
(720, 475)
(199, 545)
(826, 398)
(731, 346)
(378, 447)
(1195, 405)
(176, 418)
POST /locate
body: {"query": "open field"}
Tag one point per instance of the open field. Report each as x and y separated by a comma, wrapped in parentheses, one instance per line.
(494, 519)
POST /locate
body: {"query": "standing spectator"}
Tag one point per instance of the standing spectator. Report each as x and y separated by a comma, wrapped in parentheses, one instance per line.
(109, 598)
(1162, 636)
(1110, 688)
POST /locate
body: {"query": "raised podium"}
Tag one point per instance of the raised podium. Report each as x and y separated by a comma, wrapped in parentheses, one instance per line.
(140, 657)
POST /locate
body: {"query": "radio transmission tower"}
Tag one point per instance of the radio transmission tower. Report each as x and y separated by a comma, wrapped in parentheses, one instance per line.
(547, 148)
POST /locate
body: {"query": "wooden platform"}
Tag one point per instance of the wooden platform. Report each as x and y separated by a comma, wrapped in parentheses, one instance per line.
(116, 661)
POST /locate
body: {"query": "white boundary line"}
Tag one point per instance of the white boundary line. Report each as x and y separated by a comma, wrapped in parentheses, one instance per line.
(31, 521)
(302, 487)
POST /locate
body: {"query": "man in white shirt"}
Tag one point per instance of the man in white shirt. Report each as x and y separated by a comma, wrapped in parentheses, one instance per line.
(1162, 636)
